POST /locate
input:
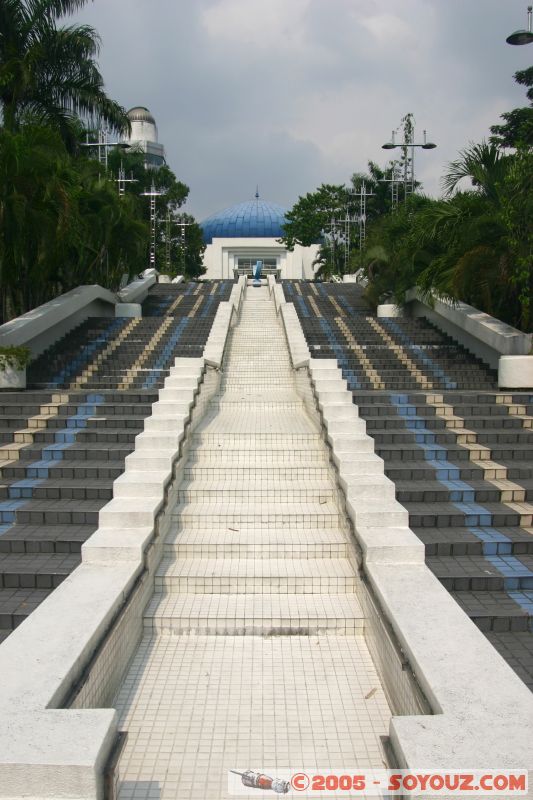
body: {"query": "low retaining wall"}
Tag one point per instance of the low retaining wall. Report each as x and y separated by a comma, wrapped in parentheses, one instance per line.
(298, 348)
(44, 325)
(485, 336)
(225, 317)
(137, 290)
(40, 328)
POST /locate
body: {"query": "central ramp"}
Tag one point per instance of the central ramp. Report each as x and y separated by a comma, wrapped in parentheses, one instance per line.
(253, 655)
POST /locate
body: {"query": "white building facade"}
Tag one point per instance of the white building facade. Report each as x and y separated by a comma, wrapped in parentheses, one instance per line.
(241, 235)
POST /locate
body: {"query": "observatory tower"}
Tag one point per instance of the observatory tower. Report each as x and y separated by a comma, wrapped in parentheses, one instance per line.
(144, 136)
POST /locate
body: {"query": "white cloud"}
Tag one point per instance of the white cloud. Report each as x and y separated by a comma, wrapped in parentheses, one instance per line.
(289, 93)
(254, 23)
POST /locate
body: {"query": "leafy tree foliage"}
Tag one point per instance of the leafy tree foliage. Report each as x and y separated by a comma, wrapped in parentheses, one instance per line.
(475, 245)
(61, 222)
(517, 129)
(49, 73)
(179, 250)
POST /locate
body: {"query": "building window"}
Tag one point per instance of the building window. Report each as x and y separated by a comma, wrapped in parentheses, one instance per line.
(246, 265)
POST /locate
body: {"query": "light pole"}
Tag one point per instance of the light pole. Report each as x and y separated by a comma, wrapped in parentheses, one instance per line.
(407, 145)
(523, 36)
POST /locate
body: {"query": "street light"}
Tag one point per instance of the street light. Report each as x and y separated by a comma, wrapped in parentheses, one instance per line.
(409, 163)
(522, 36)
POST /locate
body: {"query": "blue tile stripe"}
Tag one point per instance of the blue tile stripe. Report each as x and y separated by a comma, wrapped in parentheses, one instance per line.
(86, 353)
(496, 546)
(418, 352)
(38, 471)
(340, 354)
(166, 354)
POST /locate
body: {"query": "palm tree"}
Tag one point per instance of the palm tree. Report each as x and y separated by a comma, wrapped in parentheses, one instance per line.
(49, 73)
(483, 163)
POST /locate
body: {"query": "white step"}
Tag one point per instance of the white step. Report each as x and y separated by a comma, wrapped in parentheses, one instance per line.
(255, 576)
(264, 491)
(257, 543)
(256, 473)
(262, 515)
(258, 441)
(255, 614)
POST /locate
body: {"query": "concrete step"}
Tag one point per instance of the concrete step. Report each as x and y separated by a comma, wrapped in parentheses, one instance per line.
(270, 490)
(262, 515)
(254, 615)
(247, 542)
(255, 576)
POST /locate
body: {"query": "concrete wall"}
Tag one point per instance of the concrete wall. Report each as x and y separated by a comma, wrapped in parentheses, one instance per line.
(44, 325)
(136, 291)
(485, 336)
(221, 256)
(40, 328)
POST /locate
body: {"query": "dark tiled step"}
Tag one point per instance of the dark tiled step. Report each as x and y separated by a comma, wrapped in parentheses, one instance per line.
(517, 649)
(475, 573)
(16, 605)
(106, 471)
(443, 515)
(56, 512)
(494, 611)
(463, 542)
(45, 538)
(35, 570)
(476, 491)
(86, 451)
(61, 489)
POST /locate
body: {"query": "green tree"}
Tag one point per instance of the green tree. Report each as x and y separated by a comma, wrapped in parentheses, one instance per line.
(483, 164)
(189, 247)
(61, 222)
(49, 73)
(317, 218)
(173, 194)
(517, 128)
(517, 215)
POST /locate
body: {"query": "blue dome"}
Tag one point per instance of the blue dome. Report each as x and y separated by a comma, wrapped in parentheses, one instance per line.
(255, 218)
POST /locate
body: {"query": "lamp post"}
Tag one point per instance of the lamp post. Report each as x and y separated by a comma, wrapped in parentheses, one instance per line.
(407, 145)
(523, 36)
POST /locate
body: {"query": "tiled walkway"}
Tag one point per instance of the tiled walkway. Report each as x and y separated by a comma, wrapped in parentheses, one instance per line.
(253, 656)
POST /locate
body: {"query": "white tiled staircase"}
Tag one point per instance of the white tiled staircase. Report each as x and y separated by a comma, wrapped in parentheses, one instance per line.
(255, 581)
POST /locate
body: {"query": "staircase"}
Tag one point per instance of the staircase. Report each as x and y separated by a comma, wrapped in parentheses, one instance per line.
(64, 440)
(254, 633)
(458, 450)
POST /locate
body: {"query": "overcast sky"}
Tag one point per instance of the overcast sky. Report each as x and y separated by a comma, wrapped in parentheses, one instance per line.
(288, 94)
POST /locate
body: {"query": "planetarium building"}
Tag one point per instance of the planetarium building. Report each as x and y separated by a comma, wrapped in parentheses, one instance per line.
(241, 235)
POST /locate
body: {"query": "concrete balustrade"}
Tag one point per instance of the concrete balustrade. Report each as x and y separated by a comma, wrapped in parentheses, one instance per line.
(503, 347)
(46, 752)
(298, 349)
(472, 724)
(216, 342)
(279, 297)
(39, 328)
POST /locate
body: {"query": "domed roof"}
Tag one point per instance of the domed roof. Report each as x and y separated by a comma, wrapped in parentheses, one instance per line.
(253, 219)
(140, 114)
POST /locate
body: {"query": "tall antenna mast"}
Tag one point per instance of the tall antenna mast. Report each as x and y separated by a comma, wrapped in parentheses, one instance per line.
(122, 181)
(153, 194)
